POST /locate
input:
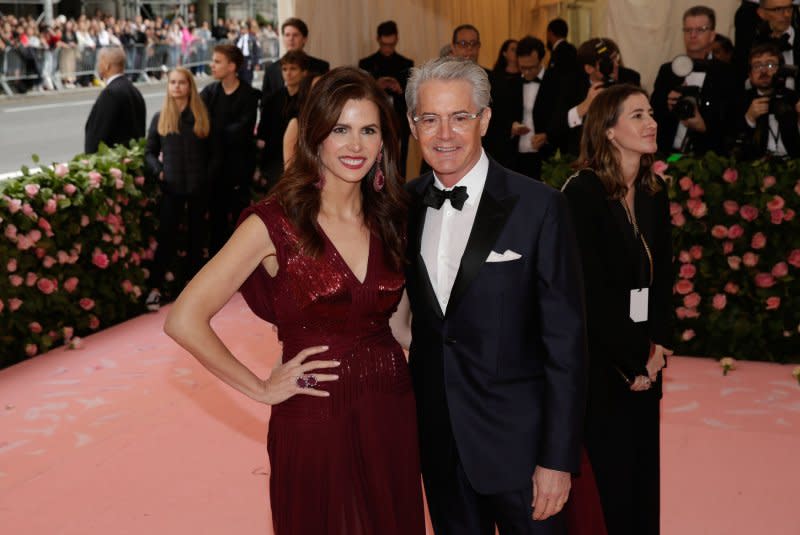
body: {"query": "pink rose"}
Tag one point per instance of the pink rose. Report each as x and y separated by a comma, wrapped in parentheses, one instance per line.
(100, 259)
(687, 335)
(719, 232)
(748, 212)
(137, 292)
(750, 259)
(691, 300)
(70, 189)
(11, 266)
(688, 271)
(94, 323)
(40, 252)
(736, 231)
(35, 327)
(697, 208)
(773, 303)
(11, 232)
(696, 191)
(68, 332)
(31, 349)
(2, 306)
(768, 182)
(127, 286)
(719, 301)
(119, 183)
(31, 278)
(684, 257)
(44, 224)
(15, 280)
(685, 183)
(684, 286)
(759, 241)
(14, 205)
(50, 206)
(28, 210)
(61, 170)
(734, 262)
(116, 173)
(732, 288)
(86, 303)
(797, 187)
(794, 258)
(659, 167)
(730, 175)
(678, 220)
(24, 243)
(70, 284)
(764, 280)
(776, 217)
(84, 220)
(675, 208)
(14, 304)
(31, 190)
(680, 313)
(781, 269)
(692, 313)
(777, 203)
(95, 179)
(46, 286)
(727, 247)
(731, 207)
(788, 214)
(139, 181)
(62, 257)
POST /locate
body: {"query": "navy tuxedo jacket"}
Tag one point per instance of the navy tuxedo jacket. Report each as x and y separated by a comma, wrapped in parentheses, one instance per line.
(500, 375)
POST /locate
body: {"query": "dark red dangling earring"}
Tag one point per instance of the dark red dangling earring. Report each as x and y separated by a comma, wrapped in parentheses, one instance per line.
(320, 182)
(379, 180)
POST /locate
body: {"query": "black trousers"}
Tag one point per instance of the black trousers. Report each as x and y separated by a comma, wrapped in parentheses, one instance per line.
(171, 212)
(226, 203)
(457, 509)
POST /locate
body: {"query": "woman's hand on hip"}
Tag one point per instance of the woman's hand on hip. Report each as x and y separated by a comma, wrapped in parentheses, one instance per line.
(293, 377)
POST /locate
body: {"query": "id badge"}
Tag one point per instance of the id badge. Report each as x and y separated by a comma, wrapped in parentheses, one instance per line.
(639, 297)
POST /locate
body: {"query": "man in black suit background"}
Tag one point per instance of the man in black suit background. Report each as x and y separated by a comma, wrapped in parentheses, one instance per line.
(498, 351)
(716, 90)
(769, 118)
(118, 114)
(391, 71)
(777, 27)
(525, 111)
(295, 34)
(563, 55)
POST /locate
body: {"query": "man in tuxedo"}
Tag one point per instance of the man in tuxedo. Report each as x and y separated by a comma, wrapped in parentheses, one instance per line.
(118, 114)
(525, 112)
(715, 86)
(777, 27)
(295, 34)
(563, 55)
(769, 121)
(248, 44)
(498, 351)
(391, 70)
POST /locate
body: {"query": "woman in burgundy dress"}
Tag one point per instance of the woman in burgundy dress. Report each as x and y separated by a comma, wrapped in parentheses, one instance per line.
(321, 258)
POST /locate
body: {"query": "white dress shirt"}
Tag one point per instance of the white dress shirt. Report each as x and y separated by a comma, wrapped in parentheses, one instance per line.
(447, 230)
(529, 93)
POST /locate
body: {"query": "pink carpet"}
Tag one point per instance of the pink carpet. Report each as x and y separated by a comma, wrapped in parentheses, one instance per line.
(129, 435)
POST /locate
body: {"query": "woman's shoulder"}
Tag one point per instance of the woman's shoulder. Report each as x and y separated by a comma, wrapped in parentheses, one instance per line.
(583, 181)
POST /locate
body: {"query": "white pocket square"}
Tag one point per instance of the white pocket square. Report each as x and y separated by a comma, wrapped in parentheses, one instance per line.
(507, 256)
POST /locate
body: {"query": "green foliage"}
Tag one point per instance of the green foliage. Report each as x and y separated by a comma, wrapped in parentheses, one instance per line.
(736, 241)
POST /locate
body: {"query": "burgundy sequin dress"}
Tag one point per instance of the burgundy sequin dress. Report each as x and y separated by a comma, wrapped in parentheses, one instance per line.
(347, 464)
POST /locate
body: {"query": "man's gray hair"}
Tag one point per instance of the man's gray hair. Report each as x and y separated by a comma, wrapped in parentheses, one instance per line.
(449, 68)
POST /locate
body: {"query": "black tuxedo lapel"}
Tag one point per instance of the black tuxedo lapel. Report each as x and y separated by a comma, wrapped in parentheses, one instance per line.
(416, 224)
(493, 211)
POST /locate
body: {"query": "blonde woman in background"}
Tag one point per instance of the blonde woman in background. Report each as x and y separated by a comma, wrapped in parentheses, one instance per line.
(176, 154)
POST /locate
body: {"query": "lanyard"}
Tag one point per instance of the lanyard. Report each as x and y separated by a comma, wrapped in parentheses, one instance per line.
(632, 220)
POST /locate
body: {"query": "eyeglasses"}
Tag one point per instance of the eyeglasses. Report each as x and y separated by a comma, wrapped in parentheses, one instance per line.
(458, 122)
(696, 31)
(467, 44)
(779, 9)
(764, 66)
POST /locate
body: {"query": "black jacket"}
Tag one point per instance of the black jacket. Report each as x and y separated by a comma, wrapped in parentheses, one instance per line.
(274, 81)
(117, 117)
(718, 97)
(754, 140)
(185, 157)
(564, 58)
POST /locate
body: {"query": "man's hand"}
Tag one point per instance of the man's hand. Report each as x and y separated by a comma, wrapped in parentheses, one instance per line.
(696, 122)
(261, 143)
(672, 99)
(550, 492)
(595, 90)
(538, 141)
(387, 83)
(519, 129)
(759, 107)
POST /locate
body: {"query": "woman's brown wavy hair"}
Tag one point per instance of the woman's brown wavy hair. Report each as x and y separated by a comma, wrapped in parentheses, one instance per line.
(597, 151)
(384, 211)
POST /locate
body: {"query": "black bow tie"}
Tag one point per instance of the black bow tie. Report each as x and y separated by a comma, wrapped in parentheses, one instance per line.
(435, 197)
(534, 81)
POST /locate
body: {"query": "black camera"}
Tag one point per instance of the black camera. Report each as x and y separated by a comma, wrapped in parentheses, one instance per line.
(688, 102)
(778, 101)
(605, 63)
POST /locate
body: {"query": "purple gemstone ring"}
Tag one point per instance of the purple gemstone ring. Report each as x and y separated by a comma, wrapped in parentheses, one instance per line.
(306, 381)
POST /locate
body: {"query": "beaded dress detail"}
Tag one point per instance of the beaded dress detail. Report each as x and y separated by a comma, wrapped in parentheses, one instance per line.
(348, 463)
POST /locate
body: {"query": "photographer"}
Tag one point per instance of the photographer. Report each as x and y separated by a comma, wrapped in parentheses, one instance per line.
(692, 109)
(599, 68)
(769, 123)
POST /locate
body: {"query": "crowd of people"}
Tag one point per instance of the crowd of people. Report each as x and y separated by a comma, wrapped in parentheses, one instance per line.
(511, 296)
(35, 55)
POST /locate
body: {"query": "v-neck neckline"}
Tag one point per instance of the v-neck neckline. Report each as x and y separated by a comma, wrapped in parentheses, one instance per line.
(347, 267)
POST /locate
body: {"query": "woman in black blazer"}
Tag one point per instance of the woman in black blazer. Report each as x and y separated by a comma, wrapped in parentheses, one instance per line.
(621, 213)
(177, 154)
